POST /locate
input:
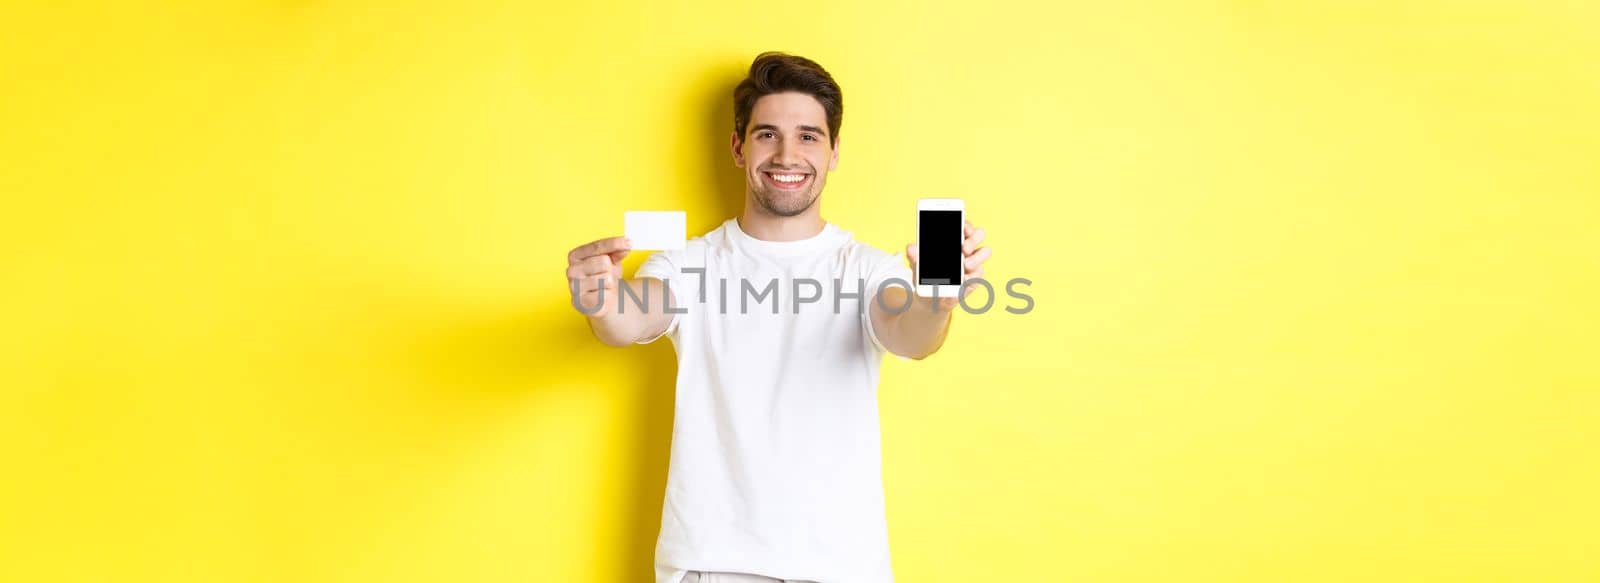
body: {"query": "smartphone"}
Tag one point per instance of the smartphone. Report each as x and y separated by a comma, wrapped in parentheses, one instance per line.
(940, 223)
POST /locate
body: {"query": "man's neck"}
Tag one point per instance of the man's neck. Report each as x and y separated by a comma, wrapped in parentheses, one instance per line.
(760, 224)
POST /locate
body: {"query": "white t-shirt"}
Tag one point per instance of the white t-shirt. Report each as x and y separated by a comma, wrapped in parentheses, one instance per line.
(776, 461)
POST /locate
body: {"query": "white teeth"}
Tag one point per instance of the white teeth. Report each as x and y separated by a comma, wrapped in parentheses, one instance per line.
(788, 177)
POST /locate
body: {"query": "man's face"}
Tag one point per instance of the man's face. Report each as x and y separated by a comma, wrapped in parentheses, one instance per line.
(786, 152)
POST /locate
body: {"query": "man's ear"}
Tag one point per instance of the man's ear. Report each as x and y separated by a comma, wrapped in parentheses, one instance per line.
(833, 164)
(738, 150)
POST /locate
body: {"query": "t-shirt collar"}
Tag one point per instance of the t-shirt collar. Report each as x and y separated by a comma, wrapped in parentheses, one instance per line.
(828, 236)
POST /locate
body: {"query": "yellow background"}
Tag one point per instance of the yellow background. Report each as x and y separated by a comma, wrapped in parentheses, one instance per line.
(1316, 284)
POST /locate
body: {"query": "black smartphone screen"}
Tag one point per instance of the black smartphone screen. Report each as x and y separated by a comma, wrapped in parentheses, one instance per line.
(939, 247)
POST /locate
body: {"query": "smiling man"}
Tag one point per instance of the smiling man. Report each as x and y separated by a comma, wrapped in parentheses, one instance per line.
(776, 472)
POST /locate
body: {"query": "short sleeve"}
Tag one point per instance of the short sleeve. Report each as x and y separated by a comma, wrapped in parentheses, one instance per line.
(886, 270)
(661, 267)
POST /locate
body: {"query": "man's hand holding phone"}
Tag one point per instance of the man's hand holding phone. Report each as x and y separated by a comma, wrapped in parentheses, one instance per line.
(972, 258)
(920, 329)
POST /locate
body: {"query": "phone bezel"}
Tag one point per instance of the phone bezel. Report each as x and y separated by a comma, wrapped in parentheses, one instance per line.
(939, 204)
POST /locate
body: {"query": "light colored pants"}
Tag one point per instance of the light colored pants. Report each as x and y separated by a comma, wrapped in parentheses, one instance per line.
(702, 577)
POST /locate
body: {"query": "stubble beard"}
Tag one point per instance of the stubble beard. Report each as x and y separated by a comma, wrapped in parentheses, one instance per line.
(787, 204)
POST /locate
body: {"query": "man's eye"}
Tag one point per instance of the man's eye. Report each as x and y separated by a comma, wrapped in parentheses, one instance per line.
(809, 137)
(766, 134)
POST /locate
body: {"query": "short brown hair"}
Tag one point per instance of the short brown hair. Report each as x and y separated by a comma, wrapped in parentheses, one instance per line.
(775, 72)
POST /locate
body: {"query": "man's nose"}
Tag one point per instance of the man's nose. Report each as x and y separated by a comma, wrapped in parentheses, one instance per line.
(786, 154)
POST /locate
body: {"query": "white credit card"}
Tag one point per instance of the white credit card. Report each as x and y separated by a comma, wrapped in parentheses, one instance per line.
(655, 230)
